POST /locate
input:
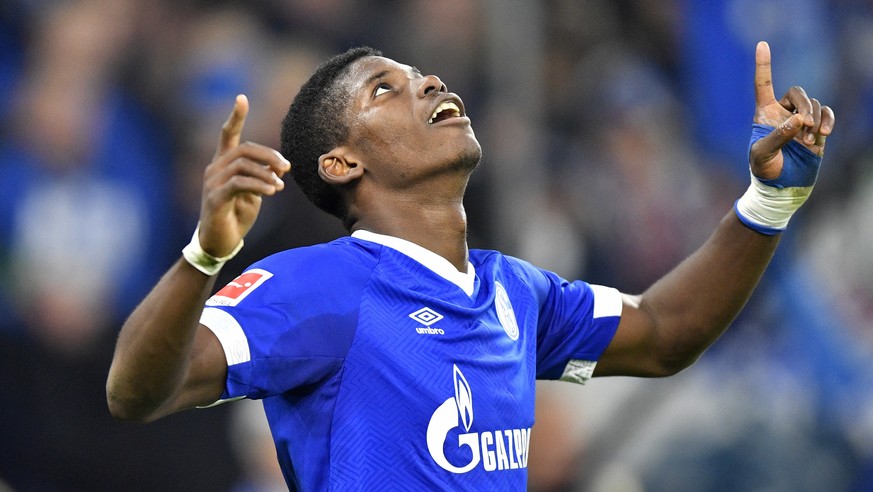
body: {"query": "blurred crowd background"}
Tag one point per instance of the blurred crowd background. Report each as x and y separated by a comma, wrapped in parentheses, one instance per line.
(615, 137)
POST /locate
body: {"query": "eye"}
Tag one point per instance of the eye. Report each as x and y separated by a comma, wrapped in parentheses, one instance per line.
(381, 89)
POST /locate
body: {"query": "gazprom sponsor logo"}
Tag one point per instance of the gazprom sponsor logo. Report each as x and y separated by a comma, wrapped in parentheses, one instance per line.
(495, 450)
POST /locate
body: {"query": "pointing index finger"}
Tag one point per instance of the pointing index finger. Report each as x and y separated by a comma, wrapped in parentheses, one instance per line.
(763, 76)
(232, 128)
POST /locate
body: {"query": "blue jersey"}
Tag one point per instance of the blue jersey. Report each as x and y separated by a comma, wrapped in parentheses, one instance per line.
(383, 367)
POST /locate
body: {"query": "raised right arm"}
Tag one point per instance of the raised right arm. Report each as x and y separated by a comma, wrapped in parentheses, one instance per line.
(165, 361)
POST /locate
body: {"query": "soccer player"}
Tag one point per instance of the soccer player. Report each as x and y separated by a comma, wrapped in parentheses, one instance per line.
(396, 358)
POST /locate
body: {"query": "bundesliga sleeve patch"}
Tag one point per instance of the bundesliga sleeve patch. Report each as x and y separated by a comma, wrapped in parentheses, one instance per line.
(237, 289)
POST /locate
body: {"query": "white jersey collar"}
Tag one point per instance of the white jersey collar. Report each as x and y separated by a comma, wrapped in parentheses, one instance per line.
(429, 259)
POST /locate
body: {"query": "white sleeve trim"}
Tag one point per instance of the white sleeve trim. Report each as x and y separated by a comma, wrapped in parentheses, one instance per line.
(221, 402)
(607, 301)
(578, 371)
(230, 334)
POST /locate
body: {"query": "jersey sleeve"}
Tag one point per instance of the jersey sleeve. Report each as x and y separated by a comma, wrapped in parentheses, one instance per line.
(576, 323)
(284, 324)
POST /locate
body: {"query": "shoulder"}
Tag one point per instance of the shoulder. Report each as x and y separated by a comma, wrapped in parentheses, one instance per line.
(510, 265)
(499, 265)
(542, 283)
(295, 275)
(340, 257)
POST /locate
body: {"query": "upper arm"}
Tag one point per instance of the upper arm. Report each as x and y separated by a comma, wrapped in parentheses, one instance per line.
(204, 380)
(634, 349)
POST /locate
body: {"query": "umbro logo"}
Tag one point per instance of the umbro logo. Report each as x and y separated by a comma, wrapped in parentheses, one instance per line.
(427, 317)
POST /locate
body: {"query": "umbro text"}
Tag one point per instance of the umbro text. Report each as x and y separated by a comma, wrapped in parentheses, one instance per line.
(426, 330)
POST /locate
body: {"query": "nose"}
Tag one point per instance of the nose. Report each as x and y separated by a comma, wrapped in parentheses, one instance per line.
(430, 84)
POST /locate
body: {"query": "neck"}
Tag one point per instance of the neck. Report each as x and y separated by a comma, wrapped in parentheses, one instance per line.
(439, 226)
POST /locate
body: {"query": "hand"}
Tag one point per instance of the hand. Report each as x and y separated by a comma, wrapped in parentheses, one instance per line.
(233, 184)
(796, 116)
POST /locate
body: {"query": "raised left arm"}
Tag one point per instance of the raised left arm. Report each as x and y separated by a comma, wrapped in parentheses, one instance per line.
(666, 328)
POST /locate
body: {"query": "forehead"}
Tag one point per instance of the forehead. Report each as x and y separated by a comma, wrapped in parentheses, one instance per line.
(370, 68)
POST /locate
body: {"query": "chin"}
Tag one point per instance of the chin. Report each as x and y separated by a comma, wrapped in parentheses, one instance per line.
(469, 158)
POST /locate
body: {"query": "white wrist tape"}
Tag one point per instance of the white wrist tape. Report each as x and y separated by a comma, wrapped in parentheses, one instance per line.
(203, 261)
(768, 209)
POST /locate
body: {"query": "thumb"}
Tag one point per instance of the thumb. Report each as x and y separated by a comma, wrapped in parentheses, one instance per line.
(765, 156)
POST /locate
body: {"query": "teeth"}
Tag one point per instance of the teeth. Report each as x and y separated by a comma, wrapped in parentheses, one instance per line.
(445, 105)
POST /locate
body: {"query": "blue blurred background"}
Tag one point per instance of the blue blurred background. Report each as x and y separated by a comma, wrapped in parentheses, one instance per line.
(615, 137)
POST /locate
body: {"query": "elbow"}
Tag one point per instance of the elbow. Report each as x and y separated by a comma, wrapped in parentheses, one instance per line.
(679, 354)
(674, 341)
(124, 412)
(681, 343)
(128, 409)
(674, 364)
(121, 413)
(671, 358)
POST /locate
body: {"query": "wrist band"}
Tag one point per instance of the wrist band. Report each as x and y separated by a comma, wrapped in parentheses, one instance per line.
(203, 261)
(767, 209)
(768, 204)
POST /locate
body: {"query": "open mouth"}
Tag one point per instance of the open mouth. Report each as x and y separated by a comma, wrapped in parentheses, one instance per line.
(446, 110)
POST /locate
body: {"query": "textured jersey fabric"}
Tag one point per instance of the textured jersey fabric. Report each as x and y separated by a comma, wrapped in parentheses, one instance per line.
(382, 367)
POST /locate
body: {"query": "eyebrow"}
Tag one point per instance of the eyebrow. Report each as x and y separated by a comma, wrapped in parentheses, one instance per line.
(383, 73)
(375, 77)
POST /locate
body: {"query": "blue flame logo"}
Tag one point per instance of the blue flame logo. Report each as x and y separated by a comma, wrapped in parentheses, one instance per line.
(463, 398)
(450, 414)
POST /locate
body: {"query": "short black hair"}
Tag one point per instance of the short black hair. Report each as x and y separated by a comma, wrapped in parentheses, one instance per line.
(311, 129)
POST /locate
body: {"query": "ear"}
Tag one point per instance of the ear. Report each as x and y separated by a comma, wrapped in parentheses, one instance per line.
(339, 167)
